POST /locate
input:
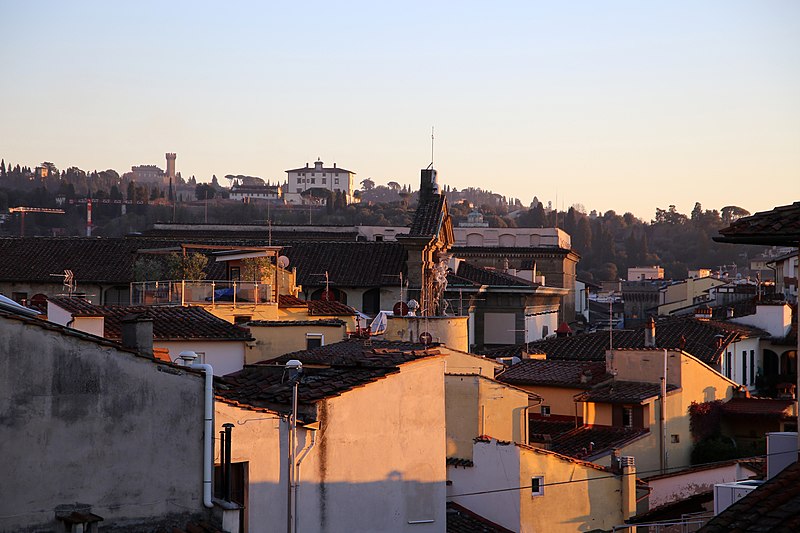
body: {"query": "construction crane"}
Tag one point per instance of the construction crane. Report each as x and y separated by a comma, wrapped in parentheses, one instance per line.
(23, 210)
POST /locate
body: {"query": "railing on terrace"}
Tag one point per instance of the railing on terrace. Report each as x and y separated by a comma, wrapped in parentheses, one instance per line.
(688, 523)
(205, 292)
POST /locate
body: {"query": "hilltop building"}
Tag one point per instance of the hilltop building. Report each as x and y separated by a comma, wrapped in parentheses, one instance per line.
(334, 179)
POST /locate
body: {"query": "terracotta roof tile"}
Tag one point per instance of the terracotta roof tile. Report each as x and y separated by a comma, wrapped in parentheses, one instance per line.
(462, 520)
(771, 508)
(780, 226)
(329, 308)
(348, 264)
(428, 217)
(759, 407)
(323, 322)
(589, 441)
(287, 300)
(358, 353)
(469, 275)
(694, 336)
(624, 392)
(555, 373)
(348, 364)
(169, 322)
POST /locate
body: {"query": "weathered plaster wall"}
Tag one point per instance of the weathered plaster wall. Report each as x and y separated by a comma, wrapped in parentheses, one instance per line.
(378, 460)
(274, 341)
(591, 499)
(82, 422)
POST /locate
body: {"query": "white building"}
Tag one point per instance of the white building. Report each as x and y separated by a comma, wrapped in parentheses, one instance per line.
(643, 273)
(331, 178)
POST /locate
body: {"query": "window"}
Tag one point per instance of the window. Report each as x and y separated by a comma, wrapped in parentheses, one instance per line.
(627, 416)
(545, 331)
(235, 274)
(313, 179)
(324, 181)
(336, 181)
(752, 367)
(545, 410)
(314, 340)
(378, 238)
(242, 319)
(537, 486)
(744, 367)
(324, 174)
(19, 297)
(728, 361)
(675, 439)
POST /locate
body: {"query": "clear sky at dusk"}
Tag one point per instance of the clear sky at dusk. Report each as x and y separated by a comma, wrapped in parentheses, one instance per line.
(615, 105)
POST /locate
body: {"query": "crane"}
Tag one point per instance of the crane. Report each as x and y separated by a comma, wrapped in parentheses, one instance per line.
(22, 210)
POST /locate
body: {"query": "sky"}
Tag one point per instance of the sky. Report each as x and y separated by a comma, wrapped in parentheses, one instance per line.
(616, 105)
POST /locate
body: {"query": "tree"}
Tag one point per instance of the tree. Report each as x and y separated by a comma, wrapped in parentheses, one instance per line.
(367, 184)
(393, 185)
(732, 213)
(204, 191)
(131, 193)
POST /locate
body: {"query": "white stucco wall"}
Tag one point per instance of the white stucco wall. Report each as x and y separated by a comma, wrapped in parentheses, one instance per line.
(664, 490)
(225, 356)
(774, 319)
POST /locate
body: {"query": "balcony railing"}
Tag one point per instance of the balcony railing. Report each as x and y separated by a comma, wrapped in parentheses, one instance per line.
(205, 292)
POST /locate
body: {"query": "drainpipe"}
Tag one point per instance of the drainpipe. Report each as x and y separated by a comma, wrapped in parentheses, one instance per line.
(208, 423)
(663, 417)
(296, 367)
(527, 436)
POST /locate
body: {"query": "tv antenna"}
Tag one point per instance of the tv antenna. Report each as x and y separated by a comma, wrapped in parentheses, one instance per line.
(432, 138)
(69, 281)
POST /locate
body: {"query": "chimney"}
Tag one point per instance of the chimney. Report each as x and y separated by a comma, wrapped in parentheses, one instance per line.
(428, 186)
(137, 333)
(650, 333)
(628, 468)
(703, 312)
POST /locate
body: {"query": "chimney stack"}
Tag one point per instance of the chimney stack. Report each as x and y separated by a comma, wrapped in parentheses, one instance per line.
(650, 333)
(137, 333)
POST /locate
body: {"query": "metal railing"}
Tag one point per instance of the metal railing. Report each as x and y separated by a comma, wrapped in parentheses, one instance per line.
(688, 523)
(204, 292)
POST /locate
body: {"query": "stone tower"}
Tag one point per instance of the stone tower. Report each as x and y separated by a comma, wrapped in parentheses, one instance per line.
(171, 166)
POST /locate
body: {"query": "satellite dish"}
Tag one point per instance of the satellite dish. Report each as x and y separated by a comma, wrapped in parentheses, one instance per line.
(400, 309)
(283, 261)
(425, 337)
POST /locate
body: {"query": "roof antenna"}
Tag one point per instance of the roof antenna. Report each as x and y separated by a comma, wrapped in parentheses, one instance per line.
(431, 147)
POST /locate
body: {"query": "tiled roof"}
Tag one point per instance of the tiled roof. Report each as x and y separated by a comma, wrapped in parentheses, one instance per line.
(76, 306)
(781, 226)
(428, 217)
(555, 373)
(348, 264)
(329, 308)
(267, 386)
(694, 336)
(459, 462)
(169, 322)
(591, 441)
(462, 520)
(546, 428)
(90, 259)
(260, 235)
(316, 307)
(470, 275)
(771, 508)
(347, 365)
(329, 322)
(333, 170)
(358, 353)
(287, 300)
(759, 407)
(624, 392)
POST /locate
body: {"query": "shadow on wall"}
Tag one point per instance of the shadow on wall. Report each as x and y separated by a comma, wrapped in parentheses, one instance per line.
(392, 504)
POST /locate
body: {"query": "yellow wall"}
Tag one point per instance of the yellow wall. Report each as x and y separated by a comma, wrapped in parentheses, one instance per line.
(560, 399)
(449, 330)
(476, 405)
(577, 496)
(460, 362)
(573, 506)
(377, 461)
(262, 311)
(697, 382)
(274, 341)
(683, 294)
